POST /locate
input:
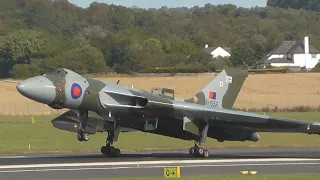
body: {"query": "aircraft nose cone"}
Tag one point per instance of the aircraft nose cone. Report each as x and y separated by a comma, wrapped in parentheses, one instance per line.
(20, 87)
(38, 88)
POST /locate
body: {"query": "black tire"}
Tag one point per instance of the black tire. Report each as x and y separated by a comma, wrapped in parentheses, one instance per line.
(86, 137)
(206, 154)
(200, 151)
(104, 150)
(117, 152)
(112, 149)
(192, 151)
(80, 137)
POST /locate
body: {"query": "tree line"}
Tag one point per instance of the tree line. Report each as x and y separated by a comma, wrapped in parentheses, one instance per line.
(313, 5)
(37, 36)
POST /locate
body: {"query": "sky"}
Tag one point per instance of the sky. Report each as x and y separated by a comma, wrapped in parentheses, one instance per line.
(171, 3)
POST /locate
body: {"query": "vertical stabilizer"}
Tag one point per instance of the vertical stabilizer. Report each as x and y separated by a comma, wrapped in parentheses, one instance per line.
(223, 91)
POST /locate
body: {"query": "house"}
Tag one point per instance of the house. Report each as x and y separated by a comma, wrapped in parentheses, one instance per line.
(218, 51)
(292, 54)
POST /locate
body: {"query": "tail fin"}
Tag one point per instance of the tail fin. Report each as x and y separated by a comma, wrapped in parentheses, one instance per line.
(223, 91)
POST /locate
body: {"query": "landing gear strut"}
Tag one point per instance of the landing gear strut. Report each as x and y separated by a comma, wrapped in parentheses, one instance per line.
(82, 135)
(198, 151)
(109, 150)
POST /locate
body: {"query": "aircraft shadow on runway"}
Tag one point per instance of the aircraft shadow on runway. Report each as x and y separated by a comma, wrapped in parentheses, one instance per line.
(169, 155)
(83, 158)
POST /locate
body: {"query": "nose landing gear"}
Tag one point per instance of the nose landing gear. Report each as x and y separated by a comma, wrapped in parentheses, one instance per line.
(82, 135)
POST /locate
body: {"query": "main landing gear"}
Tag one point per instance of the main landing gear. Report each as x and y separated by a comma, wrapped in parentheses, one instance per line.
(198, 151)
(82, 135)
(109, 150)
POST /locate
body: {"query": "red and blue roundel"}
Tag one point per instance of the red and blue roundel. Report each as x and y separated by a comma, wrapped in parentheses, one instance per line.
(76, 91)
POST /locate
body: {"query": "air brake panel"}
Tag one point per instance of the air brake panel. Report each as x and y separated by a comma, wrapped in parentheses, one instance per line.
(190, 126)
(151, 124)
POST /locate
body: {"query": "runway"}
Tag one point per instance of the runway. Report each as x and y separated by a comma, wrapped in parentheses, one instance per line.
(222, 161)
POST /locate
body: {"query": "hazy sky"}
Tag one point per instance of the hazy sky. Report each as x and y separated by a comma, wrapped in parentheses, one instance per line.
(171, 3)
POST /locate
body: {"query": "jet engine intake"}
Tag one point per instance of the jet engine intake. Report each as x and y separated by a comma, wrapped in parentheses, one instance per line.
(119, 100)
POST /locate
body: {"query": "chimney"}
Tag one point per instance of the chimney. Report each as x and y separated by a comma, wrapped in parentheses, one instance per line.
(306, 45)
(307, 53)
(206, 46)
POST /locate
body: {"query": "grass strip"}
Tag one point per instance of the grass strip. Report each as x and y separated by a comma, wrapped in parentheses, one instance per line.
(16, 133)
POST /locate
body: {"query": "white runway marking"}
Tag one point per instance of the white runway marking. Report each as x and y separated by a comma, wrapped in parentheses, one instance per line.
(13, 157)
(181, 163)
(150, 167)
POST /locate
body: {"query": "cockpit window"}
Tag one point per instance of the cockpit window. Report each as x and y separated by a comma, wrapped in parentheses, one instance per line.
(66, 73)
(59, 72)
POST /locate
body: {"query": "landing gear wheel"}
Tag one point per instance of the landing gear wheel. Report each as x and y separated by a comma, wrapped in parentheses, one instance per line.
(83, 136)
(103, 150)
(200, 151)
(86, 137)
(117, 152)
(206, 154)
(79, 136)
(192, 151)
(110, 151)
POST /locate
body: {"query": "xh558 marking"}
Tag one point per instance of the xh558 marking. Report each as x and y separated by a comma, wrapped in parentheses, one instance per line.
(96, 106)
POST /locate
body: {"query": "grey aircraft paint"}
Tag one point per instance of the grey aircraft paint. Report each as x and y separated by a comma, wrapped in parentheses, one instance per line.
(113, 108)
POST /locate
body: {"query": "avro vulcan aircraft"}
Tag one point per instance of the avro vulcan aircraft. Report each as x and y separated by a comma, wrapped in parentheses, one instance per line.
(95, 106)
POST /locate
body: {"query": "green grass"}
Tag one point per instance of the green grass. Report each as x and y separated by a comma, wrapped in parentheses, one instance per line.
(16, 133)
(233, 177)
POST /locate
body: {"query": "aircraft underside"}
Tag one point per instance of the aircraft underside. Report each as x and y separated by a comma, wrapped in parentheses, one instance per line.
(165, 126)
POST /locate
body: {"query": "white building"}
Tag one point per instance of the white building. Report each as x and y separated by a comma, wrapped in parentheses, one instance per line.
(218, 51)
(292, 53)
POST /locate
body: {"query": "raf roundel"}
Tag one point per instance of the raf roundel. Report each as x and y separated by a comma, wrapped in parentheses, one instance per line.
(76, 91)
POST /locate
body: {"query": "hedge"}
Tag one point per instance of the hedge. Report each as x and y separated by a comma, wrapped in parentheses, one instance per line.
(190, 69)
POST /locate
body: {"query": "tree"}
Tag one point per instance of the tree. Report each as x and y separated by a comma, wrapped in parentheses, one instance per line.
(22, 71)
(24, 45)
(313, 5)
(4, 28)
(220, 63)
(39, 14)
(153, 45)
(84, 60)
(316, 68)
(21, 46)
(177, 45)
(133, 39)
(199, 57)
(243, 54)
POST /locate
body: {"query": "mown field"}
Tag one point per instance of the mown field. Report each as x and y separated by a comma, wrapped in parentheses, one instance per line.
(16, 133)
(238, 177)
(265, 90)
